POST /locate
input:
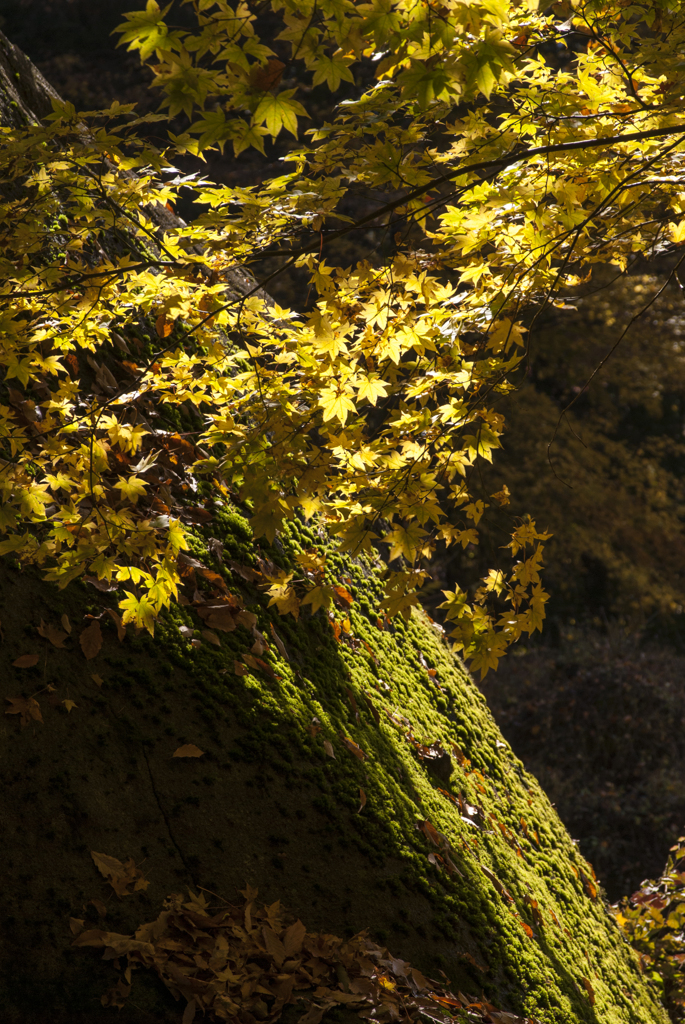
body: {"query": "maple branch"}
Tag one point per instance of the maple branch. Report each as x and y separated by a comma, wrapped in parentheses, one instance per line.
(483, 165)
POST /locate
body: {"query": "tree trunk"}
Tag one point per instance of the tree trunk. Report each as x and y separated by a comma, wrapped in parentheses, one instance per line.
(489, 889)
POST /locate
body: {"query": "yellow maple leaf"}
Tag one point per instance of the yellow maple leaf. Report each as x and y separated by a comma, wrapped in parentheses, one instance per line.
(336, 403)
(319, 597)
(677, 232)
(141, 613)
(407, 541)
(371, 389)
(283, 596)
(131, 488)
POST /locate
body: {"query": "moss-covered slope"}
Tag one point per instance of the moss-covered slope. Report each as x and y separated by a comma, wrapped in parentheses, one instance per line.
(267, 804)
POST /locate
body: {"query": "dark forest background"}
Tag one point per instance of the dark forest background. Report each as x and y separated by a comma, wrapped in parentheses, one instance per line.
(596, 707)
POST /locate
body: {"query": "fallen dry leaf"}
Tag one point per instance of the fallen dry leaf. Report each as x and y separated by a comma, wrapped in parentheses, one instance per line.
(431, 832)
(69, 704)
(247, 573)
(189, 1012)
(27, 707)
(219, 616)
(163, 326)
(211, 637)
(26, 661)
(100, 907)
(102, 585)
(328, 747)
(239, 669)
(98, 680)
(350, 697)
(259, 663)
(212, 577)
(354, 748)
(117, 620)
(372, 708)
(362, 797)
(188, 750)
(125, 879)
(343, 597)
(91, 640)
(370, 651)
(66, 625)
(52, 633)
(587, 985)
(117, 995)
(279, 643)
(496, 882)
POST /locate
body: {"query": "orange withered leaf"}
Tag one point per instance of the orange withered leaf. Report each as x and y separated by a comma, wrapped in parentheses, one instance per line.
(51, 633)
(163, 326)
(354, 748)
(266, 78)
(589, 886)
(26, 661)
(188, 750)
(125, 879)
(587, 985)
(27, 707)
(274, 946)
(343, 597)
(279, 643)
(293, 938)
(117, 620)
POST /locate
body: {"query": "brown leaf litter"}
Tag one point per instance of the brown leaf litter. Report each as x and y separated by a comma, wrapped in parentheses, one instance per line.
(245, 963)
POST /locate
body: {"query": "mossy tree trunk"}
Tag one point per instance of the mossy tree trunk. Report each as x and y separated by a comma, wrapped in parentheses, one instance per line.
(266, 803)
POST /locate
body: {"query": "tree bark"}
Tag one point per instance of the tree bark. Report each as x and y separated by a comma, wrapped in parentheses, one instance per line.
(266, 803)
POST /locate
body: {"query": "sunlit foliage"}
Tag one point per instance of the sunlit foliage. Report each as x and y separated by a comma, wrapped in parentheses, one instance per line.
(505, 149)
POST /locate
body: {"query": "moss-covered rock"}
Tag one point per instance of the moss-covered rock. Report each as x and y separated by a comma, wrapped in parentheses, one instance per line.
(519, 918)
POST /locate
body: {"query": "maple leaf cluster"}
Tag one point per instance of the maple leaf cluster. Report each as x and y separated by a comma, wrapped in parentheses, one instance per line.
(139, 376)
(652, 919)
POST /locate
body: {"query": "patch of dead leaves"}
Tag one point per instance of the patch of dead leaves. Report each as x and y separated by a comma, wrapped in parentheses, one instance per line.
(245, 963)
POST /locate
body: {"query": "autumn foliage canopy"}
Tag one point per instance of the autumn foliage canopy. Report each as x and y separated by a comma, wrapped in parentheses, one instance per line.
(502, 148)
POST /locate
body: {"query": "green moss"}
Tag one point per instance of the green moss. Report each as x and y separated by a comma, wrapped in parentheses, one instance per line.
(367, 868)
